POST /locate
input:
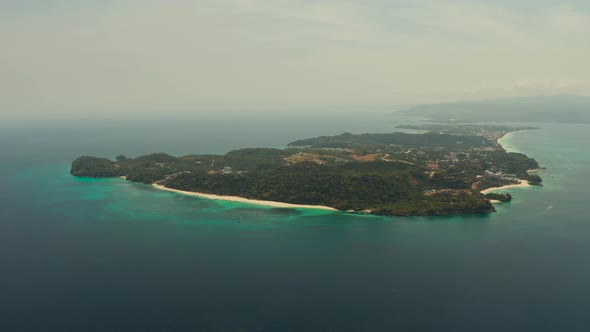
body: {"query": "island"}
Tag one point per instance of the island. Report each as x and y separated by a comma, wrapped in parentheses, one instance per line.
(444, 171)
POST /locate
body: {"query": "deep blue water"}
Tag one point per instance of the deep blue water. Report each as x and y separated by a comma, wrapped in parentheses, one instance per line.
(108, 255)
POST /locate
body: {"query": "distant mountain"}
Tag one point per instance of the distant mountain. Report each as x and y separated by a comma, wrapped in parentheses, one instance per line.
(564, 109)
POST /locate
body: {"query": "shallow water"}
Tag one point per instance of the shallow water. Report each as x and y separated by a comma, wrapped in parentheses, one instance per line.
(109, 255)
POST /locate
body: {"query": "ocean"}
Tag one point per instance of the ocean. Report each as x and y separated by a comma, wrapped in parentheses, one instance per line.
(109, 255)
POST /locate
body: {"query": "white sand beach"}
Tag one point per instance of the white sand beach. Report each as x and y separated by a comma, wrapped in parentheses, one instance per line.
(244, 200)
(502, 141)
(521, 184)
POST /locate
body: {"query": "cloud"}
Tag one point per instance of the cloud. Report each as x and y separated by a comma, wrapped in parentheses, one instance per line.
(461, 19)
(153, 55)
(568, 20)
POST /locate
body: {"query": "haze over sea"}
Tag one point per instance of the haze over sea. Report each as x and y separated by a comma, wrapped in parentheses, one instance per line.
(109, 255)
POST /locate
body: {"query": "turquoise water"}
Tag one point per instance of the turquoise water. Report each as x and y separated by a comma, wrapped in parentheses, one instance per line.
(109, 255)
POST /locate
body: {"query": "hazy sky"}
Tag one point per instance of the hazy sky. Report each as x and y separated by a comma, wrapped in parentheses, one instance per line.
(66, 57)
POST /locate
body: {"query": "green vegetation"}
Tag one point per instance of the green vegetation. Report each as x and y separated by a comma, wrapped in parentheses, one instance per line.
(499, 197)
(388, 174)
(371, 141)
(534, 179)
(95, 167)
(513, 163)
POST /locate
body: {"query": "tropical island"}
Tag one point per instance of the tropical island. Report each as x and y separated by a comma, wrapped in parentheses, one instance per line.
(444, 171)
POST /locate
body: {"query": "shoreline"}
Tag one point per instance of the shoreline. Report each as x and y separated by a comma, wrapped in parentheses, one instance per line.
(521, 184)
(505, 137)
(275, 204)
(244, 200)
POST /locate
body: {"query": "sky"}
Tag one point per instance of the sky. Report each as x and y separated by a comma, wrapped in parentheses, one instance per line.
(66, 58)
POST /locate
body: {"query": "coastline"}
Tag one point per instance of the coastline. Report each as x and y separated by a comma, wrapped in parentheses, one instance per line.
(276, 204)
(521, 184)
(506, 136)
(244, 200)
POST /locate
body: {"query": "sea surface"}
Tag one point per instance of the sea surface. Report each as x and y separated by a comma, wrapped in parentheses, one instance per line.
(109, 255)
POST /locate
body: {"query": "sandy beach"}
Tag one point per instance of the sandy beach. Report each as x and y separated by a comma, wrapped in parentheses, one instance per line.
(522, 184)
(502, 140)
(245, 200)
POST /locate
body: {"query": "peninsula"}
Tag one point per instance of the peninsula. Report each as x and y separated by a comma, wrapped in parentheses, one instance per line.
(442, 172)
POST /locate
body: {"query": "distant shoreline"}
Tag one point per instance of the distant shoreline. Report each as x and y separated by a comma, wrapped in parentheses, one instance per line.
(244, 200)
(521, 183)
